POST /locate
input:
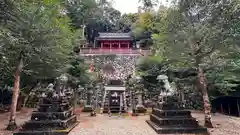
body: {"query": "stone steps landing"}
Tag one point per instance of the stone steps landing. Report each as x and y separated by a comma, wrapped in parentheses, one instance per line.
(51, 115)
(171, 113)
(174, 121)
(87, 108)
(177, 129)
(53, 124)
(113, 109)
(187, 122)
(47, 132)
(54, 107)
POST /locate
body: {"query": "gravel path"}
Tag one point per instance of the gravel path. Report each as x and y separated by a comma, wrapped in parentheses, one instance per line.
(115, 125)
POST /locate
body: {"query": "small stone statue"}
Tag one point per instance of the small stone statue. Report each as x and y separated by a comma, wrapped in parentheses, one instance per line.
(93, 113)
(167, 87)
(50, 91)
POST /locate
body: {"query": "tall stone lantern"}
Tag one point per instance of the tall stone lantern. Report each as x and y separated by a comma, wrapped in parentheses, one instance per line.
(97, 95)
(88, 107)
(139, 93)
(78, 96)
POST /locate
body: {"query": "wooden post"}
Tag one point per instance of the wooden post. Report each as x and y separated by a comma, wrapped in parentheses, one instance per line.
(221, 108)
(111, 46)
(238, 108)
(119, 44)
(229, 110)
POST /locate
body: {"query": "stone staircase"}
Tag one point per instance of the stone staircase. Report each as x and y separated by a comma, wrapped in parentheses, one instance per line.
(169, 118)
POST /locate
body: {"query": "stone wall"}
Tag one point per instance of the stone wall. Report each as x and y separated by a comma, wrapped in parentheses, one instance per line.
(114, 67)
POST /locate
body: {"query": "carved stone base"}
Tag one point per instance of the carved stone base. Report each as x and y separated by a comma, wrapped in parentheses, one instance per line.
(177, 129)
(140, 109)
(48, 132)
(53, 117)
(174, 122)
(87, 108)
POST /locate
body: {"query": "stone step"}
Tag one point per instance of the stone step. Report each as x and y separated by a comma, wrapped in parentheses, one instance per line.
(87, 108)
(190, 122)
(52, 115)
(171, 106)
(181, 129)
(171, 113)
(50, 131)
(56, 124)
(113, 110)
(44, 105)
(54, 107)
(49, 101)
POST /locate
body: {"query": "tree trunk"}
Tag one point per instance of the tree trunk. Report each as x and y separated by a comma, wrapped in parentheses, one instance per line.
(202, 86)
(12, 121)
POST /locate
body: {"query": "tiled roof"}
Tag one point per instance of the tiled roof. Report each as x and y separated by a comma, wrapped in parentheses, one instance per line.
(114, 35)
(114, 88)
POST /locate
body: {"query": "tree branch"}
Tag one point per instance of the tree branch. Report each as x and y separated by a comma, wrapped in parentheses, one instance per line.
(209, 52)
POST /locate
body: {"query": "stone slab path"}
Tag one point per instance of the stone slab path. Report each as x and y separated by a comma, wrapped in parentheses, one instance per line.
(126, 125)
(114, 125)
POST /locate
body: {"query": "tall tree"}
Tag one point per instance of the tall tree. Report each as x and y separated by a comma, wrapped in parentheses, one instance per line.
(194, 34)
(148, 5)
(36, 41)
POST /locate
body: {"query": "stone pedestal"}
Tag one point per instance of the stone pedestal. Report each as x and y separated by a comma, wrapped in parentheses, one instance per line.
(171, 118)
(87, 108)
(54, 116)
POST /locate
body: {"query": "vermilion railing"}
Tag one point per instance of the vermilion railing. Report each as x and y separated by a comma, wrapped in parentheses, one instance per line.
(85, 51)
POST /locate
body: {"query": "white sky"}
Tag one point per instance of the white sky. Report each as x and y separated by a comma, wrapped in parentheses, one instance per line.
(129, 6)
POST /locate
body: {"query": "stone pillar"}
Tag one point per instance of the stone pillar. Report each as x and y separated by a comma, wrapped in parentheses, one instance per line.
(140, 102)
(121, 102)
(238, 108)
(89, 98)
(110, 46)
(140, 108)
(88, 107)
(125, 101)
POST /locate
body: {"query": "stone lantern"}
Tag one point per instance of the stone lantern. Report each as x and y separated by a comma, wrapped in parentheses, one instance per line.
(97, 93)
(140, 107)
(88, 107)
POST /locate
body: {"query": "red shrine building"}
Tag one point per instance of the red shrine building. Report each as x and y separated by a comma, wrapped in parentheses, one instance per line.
(113, 43)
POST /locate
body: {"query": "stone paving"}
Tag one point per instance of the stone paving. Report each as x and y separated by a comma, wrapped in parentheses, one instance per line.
(115, 125)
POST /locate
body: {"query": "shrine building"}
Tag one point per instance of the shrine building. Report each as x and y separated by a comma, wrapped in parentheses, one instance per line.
(113, 43)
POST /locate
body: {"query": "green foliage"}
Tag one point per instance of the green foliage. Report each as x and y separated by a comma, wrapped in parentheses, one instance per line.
(191, 34)
(97, 16)
(148, 5)
(40, 33)
(77, 72)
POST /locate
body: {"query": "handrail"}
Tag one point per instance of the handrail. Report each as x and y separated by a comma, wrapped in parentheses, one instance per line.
(113, 50)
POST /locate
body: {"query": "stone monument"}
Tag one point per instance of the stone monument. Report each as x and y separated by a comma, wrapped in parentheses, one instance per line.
(170, 117)
(54, 115)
